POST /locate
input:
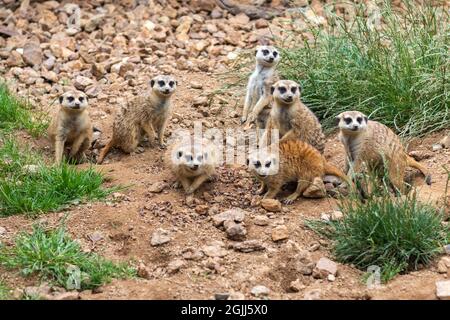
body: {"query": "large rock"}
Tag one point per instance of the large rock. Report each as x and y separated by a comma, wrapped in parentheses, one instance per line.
(159, 237)
(280, 233)
(324, 268)
(260, 291)
(272, 205)
(249, 246)
(316, 189)
(443, 289)
(236, 215)
(235, 231)
(82, 82)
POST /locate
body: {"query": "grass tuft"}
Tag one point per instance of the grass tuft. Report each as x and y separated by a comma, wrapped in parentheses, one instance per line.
(395, 234)
(18, 114)
(398, 74)
(5, 292)
(28, 186)
(54, 256)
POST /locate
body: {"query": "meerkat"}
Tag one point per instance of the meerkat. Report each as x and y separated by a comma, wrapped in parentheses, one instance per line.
(292, 161)
(143, 115)
(192, 163)
(258, 97)
(71, 126)
(372, 145)
(292, 118)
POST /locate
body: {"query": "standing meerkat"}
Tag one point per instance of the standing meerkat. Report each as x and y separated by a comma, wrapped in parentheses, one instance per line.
(294, 161)
(192, 163)
(372, 145)
(292, 118)
(143, 115)
(71, 126)
(258, 97)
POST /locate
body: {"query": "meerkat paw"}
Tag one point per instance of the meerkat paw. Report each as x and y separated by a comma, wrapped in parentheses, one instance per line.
(290, 199)
(261, 190)
(243, 120)
(162, 145)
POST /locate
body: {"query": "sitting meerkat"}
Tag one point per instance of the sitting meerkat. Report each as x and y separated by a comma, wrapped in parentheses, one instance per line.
(71, 126)
(294, 161)
(143, 115)
(372, 145)
(192, 163)
(258, 97)
(292, 118)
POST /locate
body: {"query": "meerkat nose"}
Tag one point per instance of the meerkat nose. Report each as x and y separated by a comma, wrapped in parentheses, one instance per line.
(195, 166)
(166, 91)
(271, 59)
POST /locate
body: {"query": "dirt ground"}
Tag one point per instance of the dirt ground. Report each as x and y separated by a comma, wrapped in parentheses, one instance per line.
(127, 221)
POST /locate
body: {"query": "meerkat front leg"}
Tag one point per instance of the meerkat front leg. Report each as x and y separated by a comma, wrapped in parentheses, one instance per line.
(75, 148)
(262, 189)
(247, 104)
(150, 131)
(288, 135)
(262, 102)
(59, 149)
(272, 192)
(161, 131)
(301, 187)
(185, 183)
(198, 181)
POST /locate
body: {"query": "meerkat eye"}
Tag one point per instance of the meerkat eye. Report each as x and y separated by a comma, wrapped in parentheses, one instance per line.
(161, 83)
(247, 161)
(359, 119)
(282, 89)
(200, 158)
(189, 158)
(179, 154)
(348, 120)
(171, 84)
(81, 99)
(268, 163)
(275, 54)
(70, 99)
(257, 164)
(265, 52)
(294, 90)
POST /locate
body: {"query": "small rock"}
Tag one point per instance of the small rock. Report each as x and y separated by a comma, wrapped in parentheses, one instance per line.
(312, 294)
(158, 187)
(316, 189)
(196, 85)
(2, 231)
(14, 59)
(331, 278)
(235, 231)
(32, 54)
(443, 290)
(271, 205)
(175, 266)
(437, 147)
(221, 296)
(82, 82)
(200, 101)
(447, 249)
(261, 220)
(214, 249)
(280, 233)
(96, 236)
(336, 215)
(143, 271)
(72, 295)
(31, 168)
(296, 286)
(324, 267)
(249, 246)
(445, 142)
(159, 237)
(421, 155)
(236, 296)
(443, 264)
(259, 291)
(261, 23)
(236, 215)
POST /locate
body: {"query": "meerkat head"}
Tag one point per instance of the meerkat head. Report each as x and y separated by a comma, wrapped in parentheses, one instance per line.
(267, 56)
(191, 157)
(352, 121)
(263, 163)
(163, 85)
(74, 100)
(286, 91)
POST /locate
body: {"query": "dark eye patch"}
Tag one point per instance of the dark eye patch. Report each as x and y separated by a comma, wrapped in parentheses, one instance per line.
(171, 84)
(282, 89)
(294, 89)
(359, 119)
(257, 164)
(200, 158)
(161, 83)
(265, 52)
(275, 54)
(268, 163)
(81, 99)
(348, 120)
(70, 99)
(247, 161)
(189, 158)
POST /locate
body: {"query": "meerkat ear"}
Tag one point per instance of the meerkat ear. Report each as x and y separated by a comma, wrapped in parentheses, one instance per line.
(337, 119)
(205, 155)
(61, 98)
(272, 89)
(366, 119)
(247, 161)
(152, 83)
(179, 154)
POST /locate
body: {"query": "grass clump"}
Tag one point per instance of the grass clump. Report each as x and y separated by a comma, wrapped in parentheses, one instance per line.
(5, 292)
(398, 74)
(54, 256)
(395, 234)
(17, 114)
(29, 186)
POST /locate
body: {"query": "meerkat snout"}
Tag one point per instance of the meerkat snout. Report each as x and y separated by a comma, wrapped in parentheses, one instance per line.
(267, 55)
(286, 91)
(163, 85)
(76, 100)
(352, 121)
(262, 163)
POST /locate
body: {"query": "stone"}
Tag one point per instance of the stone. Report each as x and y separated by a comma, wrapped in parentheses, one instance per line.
(214, 249)
(447, 249)
(249, 246)
(235, 231)
(32, 54)
(445, 142)
(159, 237)
(236, 215)
(236, 296)
(158, 187)
(72, 295)
(2, 231)
(335, 181)
(260, 291)
(31, 168)
(336, 215)
(239, 20)
(421, 155)
(437, 147)
(324, 267)
(443, 264)
(261, 23)
(271, 205)
(82, 82)
(443, 289)
(261, 221)
(312, 294)
(316, 189)
(143, 271)
(196, 85)
(304, 263)
(280, 233)
(200, 101)
(50, 76)
(175, 266)
(14, 59)
(296, 286)
(221, 296)
(41, 292)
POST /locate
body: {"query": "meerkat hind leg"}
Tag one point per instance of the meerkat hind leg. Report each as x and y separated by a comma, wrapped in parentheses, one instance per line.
(302, 185)
(262, 188)
(198, 181)
(272, 191)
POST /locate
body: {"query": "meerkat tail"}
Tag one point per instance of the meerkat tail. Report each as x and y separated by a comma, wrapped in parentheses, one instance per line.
(105, 151)
(334, 171)
(414, 164)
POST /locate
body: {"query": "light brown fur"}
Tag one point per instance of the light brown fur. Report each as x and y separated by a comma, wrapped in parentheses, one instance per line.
(372, 145)
(297, 162)
(143, 115)
(192, 163)
(71, 126)
(292, 118)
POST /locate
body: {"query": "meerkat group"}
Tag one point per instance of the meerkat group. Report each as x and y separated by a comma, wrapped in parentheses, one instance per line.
(275, 107)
